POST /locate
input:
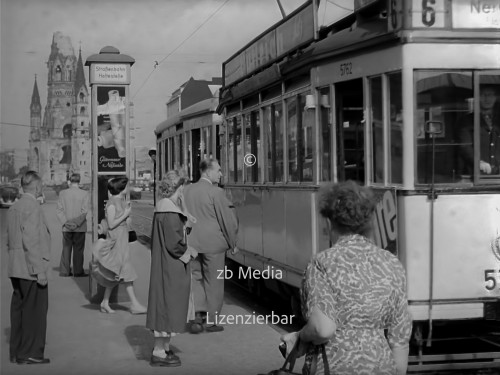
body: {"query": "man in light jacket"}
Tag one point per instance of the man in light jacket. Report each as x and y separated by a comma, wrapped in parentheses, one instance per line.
(71, 211)
(28, 244)
(214, 232)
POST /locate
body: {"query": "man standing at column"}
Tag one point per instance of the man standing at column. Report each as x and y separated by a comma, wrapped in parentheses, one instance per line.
(214, 232)
(28, 244)
(71, 211)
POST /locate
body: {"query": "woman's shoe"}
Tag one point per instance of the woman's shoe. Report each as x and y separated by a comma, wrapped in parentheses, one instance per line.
(169, 361)
(138, 310)
(106, 309)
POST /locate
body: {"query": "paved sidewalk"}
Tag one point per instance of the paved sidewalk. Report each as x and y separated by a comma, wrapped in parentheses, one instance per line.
(81, 340)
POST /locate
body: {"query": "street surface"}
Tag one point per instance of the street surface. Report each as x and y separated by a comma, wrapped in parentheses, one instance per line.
(81, 340)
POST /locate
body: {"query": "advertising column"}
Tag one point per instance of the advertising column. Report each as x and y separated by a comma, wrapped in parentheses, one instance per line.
(110, 130)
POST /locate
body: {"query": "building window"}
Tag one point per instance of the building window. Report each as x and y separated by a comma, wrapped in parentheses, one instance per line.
(82, 110)
(82, 96)
(67, 131)
(66, 158)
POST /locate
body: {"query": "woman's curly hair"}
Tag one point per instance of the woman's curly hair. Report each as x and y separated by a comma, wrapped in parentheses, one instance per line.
(170, 183)
(348, 206)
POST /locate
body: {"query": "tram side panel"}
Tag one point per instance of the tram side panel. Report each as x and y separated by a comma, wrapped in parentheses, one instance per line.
(276, 229)
(466, 255)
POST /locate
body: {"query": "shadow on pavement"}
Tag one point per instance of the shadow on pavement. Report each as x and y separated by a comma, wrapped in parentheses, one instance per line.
(140, 340)
(144, 240)
(6, 332)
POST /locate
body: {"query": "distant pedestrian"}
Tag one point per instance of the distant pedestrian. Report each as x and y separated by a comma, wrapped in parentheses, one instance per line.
(115, 260)
(28, 243)
(170, 277)
(214, 233)
(71, 211)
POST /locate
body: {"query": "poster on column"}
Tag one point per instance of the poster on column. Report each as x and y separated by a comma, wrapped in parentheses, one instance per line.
(111, 129)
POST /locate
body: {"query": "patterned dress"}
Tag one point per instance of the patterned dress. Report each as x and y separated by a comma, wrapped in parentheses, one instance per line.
(362, 288)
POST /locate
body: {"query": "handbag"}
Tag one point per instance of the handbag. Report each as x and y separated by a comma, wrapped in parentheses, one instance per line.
(132, 236)
(290, 362)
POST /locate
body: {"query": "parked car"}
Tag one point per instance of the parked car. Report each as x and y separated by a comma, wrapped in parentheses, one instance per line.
(9, 194)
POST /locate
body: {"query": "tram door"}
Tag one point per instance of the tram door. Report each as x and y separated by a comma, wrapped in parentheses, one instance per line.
(350, 130)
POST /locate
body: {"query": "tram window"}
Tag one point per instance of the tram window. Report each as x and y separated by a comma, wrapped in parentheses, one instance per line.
(377, 129)
(230, 150)
(209, 142)
(252, 146)
(489, 129)
(217, 142)
(273, 135)
(326, 134)
(204, 144)
(396, 123)
(293, 133)
(278, 142)
(195, 153)
(300, 140)
(271, 93)
(181, 151)
(237, 148)
(189, 168)
(172, 153)
(443, 96)
(350, 132)
(166, 149)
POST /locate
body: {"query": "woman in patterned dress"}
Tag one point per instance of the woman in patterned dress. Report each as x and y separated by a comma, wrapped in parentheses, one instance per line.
(117, 259)
(353, 295)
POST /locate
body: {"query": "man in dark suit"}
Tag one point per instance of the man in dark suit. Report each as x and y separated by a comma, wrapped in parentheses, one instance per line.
(71, 211)
(214, 232)
(28, 243)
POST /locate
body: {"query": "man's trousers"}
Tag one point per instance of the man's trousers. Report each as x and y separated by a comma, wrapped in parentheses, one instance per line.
(208, 283)
(28, 319)
(75, 241)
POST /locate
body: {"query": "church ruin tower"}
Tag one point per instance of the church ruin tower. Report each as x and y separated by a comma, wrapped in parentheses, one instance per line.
(60, 145)
(35, 127)
(81, 146)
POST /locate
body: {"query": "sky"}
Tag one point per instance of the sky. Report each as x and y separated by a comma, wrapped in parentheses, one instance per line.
(190, 38)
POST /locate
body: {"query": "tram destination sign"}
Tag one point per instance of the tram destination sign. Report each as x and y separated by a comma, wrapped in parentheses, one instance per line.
(475, 14)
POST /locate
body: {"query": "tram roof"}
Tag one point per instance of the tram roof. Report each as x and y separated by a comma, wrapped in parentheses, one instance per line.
(203, 107)
(347, 40)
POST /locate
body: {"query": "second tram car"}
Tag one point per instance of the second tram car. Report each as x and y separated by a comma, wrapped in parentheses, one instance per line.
(401, 96)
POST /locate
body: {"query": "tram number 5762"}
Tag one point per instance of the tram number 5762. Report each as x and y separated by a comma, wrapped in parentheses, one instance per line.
(346, 69)
(490, 279)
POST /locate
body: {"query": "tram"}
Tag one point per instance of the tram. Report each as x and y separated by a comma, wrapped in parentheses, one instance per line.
(188, 137)
(393, 96)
